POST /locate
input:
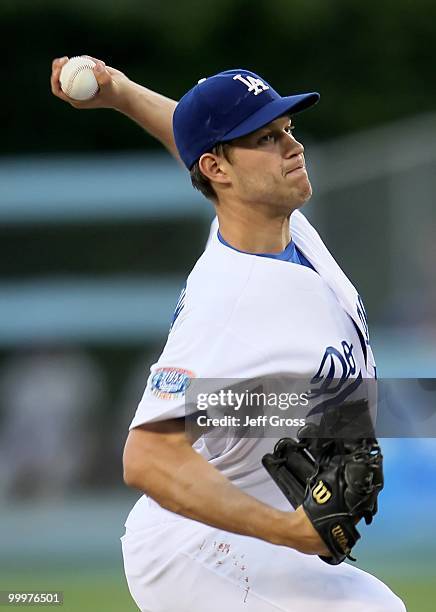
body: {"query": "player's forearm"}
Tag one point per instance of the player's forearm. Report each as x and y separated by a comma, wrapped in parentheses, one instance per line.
(182, 481)
(152, 111)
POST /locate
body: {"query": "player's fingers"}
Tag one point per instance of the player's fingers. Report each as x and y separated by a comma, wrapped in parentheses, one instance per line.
(57, 91)
(102, 77)
(59, 62)
(107, 69)
(101, 74)
(55, 74)
(100, 71)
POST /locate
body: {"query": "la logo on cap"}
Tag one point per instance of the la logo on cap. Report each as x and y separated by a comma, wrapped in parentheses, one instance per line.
(254, 85)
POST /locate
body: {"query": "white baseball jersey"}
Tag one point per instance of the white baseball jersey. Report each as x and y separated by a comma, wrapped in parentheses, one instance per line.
(242, 316)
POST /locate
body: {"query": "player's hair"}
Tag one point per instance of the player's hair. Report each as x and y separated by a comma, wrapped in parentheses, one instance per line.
(201, 182)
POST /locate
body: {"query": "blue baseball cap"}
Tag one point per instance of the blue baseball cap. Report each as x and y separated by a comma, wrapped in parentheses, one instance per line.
(229, 105)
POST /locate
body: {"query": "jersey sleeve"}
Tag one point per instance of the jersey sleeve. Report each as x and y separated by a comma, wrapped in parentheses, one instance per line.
(196, 354)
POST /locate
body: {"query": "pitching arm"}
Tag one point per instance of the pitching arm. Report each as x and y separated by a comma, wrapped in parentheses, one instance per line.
(149, 109)
(159, 460)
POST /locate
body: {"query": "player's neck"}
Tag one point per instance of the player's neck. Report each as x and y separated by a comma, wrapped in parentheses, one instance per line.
(254, 232)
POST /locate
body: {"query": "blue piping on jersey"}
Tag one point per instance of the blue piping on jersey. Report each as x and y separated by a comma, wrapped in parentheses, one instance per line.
(291, 253)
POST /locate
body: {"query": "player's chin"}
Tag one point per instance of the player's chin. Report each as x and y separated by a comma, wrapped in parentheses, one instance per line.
(303, 190)
(300, 181)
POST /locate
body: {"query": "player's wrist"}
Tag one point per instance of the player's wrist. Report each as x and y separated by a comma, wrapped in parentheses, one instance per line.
(125, 95)
(281, 529)
(294, 530)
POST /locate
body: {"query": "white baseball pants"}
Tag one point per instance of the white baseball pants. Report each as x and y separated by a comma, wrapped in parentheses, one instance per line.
(174, 564)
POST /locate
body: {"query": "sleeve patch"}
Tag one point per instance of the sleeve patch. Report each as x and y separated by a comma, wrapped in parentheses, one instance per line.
(171, 383)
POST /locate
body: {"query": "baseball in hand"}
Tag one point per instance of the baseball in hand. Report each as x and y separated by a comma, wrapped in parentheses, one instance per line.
(77, 78)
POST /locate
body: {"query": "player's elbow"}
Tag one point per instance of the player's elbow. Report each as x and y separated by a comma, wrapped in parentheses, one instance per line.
(130, 475)
(130, 472)
(134, 473)
(134, 464)
(152, 454)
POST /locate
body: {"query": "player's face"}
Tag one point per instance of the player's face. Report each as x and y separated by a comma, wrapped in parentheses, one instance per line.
(268, 167)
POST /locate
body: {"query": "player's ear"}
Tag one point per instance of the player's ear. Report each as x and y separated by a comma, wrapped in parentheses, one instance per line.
(213, 168)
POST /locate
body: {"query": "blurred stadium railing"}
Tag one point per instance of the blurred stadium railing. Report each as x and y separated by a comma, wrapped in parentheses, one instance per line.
(374, 205)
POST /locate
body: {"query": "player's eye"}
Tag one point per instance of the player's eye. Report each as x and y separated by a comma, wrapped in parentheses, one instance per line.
(267, 138)
(289, 129)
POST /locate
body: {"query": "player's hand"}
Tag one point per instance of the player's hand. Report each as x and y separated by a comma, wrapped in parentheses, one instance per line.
(113, 86)
(306, 538)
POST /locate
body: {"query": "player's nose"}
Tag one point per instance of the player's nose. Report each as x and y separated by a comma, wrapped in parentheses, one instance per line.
(291, 146)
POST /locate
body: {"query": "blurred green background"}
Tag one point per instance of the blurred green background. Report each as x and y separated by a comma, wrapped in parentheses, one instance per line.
(99, 228)
(372, 61)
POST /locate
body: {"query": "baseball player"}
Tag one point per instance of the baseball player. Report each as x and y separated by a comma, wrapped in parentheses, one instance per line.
(213, 531)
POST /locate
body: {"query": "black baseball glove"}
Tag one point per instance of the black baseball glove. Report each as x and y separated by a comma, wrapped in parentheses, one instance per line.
(335, 479)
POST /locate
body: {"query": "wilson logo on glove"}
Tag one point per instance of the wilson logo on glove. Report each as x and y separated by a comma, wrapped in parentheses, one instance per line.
(321, 494)
(341, 538)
